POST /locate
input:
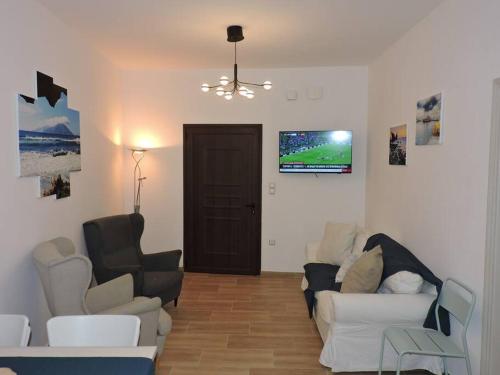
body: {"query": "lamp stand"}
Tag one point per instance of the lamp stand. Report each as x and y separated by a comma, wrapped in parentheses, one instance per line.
(137, 155)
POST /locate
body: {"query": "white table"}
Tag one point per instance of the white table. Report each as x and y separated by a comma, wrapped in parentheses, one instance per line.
(46, 351)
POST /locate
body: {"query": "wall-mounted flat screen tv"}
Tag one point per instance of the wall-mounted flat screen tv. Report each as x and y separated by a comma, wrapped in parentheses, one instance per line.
(319, 151)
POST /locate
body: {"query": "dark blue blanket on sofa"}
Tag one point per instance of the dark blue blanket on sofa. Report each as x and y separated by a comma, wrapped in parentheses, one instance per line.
(396, 258)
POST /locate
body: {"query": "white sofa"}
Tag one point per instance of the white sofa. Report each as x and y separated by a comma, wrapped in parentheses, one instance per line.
(351, 325)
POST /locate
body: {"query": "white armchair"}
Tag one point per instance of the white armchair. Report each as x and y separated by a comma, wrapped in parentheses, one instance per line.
(66, 278)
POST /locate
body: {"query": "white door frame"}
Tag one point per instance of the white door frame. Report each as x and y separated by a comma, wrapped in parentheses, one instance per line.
(492, 257)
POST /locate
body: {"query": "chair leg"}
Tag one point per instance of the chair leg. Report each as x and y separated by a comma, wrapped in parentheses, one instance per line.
(175, 301)
(445, 366)
(157, 363)
(381, 359)
(398, 368)
(467, 363)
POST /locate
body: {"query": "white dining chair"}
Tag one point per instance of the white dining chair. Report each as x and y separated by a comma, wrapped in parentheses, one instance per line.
(94, 330)
(15, 330)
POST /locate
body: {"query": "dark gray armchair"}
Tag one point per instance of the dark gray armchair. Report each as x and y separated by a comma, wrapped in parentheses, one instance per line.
(114, 247)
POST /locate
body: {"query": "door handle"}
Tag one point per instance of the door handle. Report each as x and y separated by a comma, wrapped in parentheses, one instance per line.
(252, 207)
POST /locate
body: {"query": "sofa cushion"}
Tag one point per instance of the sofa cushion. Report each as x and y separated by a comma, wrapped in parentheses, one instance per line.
(403, 282)
(362, 236)
(365, 274)
(312, 252)
(337, 243)
(156, 282)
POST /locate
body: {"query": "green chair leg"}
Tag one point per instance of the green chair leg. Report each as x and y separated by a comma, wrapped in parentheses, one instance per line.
(398, 368)
(381, 360)
(467, 362)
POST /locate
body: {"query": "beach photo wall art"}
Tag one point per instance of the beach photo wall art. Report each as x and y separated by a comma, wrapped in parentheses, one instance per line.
(429, 121)
(397, 145)
(49, 138)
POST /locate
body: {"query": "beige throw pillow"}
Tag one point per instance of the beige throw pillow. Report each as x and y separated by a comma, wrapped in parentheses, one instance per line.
(348, 263)
(365, 274)
(337, 243)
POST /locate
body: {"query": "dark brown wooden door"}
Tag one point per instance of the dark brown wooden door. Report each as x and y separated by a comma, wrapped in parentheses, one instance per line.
(222, 198)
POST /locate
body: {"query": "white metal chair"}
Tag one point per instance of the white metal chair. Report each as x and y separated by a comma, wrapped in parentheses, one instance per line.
(94, 330)
(422, 341)
(15, 330)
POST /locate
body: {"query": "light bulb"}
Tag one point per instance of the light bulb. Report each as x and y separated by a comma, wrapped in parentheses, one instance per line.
(219, 91)
(250, 94)
(205, 87)
(224, 80)
(243, 91)
(268, 85)
(228, 95)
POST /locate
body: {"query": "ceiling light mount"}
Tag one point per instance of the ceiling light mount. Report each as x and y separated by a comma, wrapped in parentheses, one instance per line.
(227, 88)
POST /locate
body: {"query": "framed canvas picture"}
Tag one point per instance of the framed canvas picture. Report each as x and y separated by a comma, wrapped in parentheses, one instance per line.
(429, 121)
(49, 138)
(397, 145)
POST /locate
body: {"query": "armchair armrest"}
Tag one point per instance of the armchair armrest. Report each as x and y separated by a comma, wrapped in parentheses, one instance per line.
(381, 308)
(163, 261)
(146, 309)
(311, 251)
(137, 306)
(113, 293)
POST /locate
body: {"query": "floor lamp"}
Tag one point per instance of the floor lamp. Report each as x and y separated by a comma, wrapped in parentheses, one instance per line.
(138, 155)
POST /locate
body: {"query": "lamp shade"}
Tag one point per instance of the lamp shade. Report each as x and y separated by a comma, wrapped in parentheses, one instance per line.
(235, 33)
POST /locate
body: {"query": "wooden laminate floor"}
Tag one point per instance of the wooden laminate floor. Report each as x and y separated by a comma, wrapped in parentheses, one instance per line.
(241, 325)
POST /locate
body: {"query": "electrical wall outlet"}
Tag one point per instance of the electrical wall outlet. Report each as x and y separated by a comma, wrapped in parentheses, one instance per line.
(272, 242)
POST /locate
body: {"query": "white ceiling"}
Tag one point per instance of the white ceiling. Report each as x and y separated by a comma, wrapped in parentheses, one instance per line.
(278, 33)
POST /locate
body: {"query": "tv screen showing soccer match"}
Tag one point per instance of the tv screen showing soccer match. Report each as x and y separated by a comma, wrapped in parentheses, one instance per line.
(322, 151)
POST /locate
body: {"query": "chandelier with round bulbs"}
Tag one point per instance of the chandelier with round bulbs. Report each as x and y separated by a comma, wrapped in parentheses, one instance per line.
(227, 88)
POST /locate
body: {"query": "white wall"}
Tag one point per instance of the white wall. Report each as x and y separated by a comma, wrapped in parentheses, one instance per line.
(32, 39)
(157, 104)
(437, 204)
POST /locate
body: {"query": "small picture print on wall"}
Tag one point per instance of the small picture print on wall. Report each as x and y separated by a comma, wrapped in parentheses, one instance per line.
(429, 121)
(397, 145)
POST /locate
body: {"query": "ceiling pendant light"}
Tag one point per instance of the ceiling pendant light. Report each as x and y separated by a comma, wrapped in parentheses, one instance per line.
(227, 88)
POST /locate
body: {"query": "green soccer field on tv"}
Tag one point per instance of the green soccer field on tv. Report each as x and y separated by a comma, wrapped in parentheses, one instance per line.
(315, 151)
